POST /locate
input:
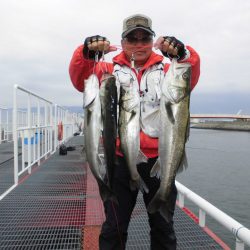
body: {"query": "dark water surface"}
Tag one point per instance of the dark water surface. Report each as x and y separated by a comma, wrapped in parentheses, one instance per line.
(219, 171)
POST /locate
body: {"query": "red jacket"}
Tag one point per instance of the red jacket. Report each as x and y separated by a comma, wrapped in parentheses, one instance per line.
(81, 68)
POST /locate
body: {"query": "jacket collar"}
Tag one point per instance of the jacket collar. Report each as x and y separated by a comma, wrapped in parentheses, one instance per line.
(154, 58)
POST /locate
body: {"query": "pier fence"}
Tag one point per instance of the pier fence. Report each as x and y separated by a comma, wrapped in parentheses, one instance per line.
(39, 127)
(241, 233)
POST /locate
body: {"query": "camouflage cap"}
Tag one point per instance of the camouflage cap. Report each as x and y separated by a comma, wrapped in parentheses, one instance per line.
(137, 21)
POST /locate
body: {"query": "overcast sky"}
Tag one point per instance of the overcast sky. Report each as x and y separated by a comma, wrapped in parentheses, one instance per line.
(38, 38)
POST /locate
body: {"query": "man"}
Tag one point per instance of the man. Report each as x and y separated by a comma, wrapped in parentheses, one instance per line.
(136, 64)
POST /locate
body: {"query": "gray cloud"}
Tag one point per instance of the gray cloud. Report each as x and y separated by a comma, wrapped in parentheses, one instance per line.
(38, 39)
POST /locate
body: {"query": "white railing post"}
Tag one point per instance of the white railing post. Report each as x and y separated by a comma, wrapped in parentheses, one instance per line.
(239, 245)
(202, 218)
(51, 128)
(46, 129)
(238, 230)
(4, 125)
(1, 126)
(181, 198)
(29, 133)
(15, 137)
(73, 124)
(7, 127)
(38, 131)
(55, 127)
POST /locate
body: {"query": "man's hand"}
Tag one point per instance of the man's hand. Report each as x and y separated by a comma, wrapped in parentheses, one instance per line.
(95, 46)
(170, 47)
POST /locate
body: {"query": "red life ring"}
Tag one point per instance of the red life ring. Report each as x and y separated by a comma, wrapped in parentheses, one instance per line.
(60, 131)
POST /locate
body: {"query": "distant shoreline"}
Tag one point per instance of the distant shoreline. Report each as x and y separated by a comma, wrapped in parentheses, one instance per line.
(223, 125)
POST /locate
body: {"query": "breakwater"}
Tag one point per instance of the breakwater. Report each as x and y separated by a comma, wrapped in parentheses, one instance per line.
(223, 125)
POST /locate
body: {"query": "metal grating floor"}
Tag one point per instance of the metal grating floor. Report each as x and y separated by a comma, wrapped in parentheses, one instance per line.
(46, 210)
(189, 234)
(58, 207)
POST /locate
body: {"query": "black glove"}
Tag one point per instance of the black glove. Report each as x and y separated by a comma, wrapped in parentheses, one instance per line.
(176, 44)
(91, 54)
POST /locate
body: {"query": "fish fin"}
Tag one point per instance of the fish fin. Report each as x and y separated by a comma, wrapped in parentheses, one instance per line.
(139, 184)
(183, 164)
(188, 128)
(101, 159)
(143, 186)
(156, 170)
(164, 211)
(88, 100)
(88, 116)
(141, 158)
(169, 110)
(101, 125)
(132, 115)
(102, 164)
(106, 193)
(159, 204)
(155, 204)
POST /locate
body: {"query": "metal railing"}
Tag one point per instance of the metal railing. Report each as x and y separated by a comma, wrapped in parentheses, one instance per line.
(35, 135)
(241, 233)
(5, 126)
(35, 132)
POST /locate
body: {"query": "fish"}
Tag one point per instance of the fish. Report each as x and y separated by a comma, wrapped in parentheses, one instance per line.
(173, 134)
(129, 133)
(92, 134)
(109, 102)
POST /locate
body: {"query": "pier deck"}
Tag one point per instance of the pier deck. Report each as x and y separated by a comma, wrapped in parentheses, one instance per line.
(58, 207)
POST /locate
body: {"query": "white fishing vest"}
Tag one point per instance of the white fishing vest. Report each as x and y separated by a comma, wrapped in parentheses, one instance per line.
(150, 94)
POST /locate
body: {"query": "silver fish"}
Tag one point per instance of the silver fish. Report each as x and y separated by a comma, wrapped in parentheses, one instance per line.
(92, 133)
(129, 132)
(174, 131)
(108, 96)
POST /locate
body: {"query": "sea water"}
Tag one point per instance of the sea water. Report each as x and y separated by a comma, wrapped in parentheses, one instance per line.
(219, 171)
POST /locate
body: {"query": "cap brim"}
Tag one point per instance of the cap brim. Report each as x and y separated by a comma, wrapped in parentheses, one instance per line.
(125, 33)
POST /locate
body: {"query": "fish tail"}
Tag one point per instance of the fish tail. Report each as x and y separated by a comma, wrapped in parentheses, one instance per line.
(156, 170)
(158, 204)
(155, 204)
(164, 211)
(139, 184)
(141, 157)
(107, 194)
(183, 164)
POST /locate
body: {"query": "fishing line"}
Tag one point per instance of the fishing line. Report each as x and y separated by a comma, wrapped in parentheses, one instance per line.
(117, 224)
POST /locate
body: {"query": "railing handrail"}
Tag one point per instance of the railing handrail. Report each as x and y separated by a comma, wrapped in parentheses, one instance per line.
(36, 130)
(29, 92)
(238, 230)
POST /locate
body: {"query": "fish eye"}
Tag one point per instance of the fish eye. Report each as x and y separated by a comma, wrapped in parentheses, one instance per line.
(185, 76)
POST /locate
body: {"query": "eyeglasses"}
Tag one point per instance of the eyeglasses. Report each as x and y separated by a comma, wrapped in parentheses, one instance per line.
(134, 40)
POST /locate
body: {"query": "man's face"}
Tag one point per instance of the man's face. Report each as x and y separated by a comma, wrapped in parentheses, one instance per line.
(138, 43)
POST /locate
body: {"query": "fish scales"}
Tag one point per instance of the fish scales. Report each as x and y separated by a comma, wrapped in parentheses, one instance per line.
(129, 132)
(92, 133)
(174, 131)
(108, 96)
